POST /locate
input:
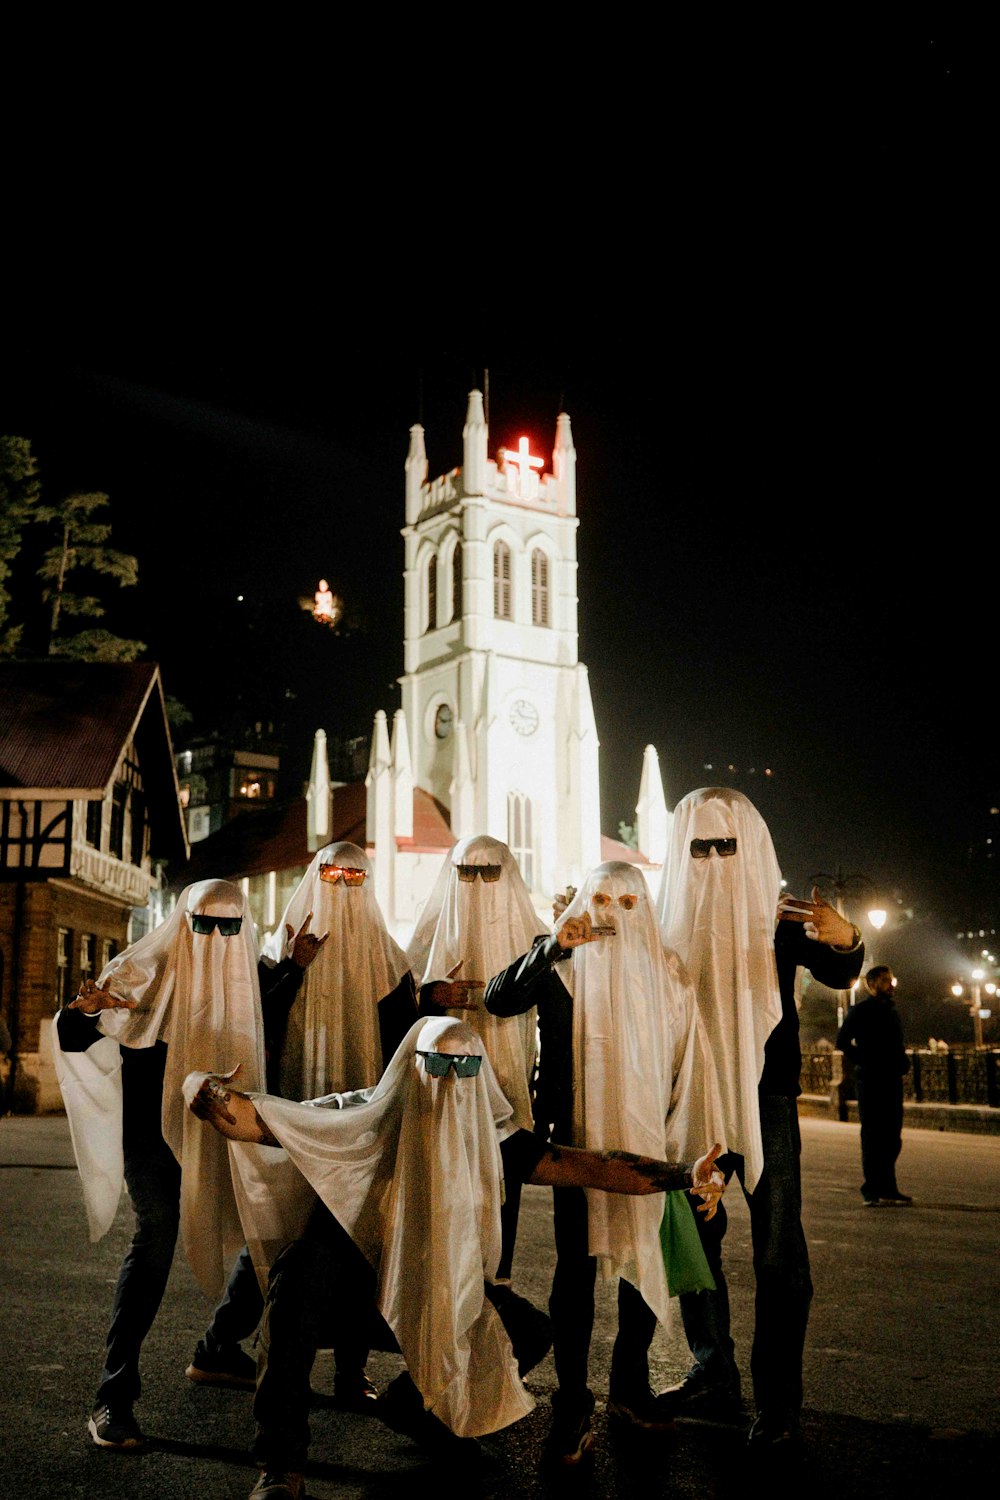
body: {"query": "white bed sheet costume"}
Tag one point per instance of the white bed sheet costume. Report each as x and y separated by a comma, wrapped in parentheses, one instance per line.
(414, 1176)
(332, 1038)
(719, 915)
(642, 1077)
(200, 995)
(484, 925)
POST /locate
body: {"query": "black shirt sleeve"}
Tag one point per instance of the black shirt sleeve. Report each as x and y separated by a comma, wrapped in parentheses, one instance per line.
(521, 1154)
(397, 1012)
(525, 982)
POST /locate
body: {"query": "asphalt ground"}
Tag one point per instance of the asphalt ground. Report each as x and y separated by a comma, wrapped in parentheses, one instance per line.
(900, 1369)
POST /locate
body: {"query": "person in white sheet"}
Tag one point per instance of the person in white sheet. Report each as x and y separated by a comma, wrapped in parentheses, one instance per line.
(722, 909)
(624, 1066)
(410, 1175)
(478, 918)
(357, 1000)
(122, 1050)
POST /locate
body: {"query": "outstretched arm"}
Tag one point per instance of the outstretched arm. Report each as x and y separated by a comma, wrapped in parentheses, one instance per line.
(211, 1097)
(623, 1172)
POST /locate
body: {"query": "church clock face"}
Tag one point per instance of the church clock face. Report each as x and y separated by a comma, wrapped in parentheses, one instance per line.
(524, 717)
(443, 721)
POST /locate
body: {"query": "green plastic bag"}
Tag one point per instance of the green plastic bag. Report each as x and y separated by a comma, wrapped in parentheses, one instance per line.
(683, 1258)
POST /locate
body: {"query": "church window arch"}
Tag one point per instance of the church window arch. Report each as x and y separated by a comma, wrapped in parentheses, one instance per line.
(456, 581)
(503, 588)
(520, 835)
(541, 611)
(430, 618)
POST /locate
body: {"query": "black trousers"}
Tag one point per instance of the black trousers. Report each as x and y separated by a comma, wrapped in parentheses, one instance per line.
(880, 1108)
(781, 1268)
(571, 1308)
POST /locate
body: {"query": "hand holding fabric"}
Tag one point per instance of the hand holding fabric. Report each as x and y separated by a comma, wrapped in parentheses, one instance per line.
(91, 998)
(707, 1182)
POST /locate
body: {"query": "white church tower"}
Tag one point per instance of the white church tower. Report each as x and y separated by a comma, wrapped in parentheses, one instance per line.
(497, 705)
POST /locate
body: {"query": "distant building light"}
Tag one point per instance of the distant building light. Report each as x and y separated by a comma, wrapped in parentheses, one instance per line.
(239, 598)
(984, 1015)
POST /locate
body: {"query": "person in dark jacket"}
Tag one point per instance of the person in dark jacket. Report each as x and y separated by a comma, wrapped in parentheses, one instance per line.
(871, 1040)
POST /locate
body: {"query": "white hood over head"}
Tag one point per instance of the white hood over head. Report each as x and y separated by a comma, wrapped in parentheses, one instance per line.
(332, 1039)
(719, 914)
(486, 925)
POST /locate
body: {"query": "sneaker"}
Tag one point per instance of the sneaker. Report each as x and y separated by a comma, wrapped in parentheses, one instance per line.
(697, 1396)
(774, 1432)
(642, 1409)
(115, 1427)
(279, 1485)
(877, 1202)
(401, 1408)
(355, 1393)
(572, 1431)
(898, 1200)
(230, 1367)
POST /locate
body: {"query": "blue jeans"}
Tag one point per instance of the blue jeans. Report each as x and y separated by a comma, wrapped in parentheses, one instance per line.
(781, 1268)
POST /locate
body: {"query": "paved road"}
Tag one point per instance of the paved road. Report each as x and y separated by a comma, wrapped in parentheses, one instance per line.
(901, 1383)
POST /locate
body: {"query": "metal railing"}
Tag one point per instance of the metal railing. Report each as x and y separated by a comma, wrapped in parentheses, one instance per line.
(963, 1075)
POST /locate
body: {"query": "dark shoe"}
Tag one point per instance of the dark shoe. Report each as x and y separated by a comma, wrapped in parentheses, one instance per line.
(699, 1397)
(774, 1432)
(898, 1200)
(275, 1485)
(115, 1427)
(876, 1202)
(402, 1409)
(355, 1393)
(642, 1409)
(230, 1367)
(572, 1431)
(527, 1327)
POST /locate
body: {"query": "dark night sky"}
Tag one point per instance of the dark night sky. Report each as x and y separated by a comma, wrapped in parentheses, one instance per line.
(768, 333)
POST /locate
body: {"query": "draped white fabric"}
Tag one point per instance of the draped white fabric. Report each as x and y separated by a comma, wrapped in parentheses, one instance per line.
(487, 925)
(332, 1041)
(638, 1074)
(414, 1176)
(199, 994)
(719, 914)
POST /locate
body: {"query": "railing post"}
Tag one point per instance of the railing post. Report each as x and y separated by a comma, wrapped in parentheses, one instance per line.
(992, 1091)
(952, 1078)
(918, 1092)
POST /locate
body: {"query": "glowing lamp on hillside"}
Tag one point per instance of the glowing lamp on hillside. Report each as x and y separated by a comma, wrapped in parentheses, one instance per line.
(326, 607)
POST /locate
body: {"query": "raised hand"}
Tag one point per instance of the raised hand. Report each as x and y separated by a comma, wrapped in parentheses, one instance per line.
(823, 923)
(450, 993)
(304, 945)
(91, 998)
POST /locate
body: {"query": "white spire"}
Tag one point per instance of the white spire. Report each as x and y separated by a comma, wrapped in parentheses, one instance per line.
(462, 789)
(376, 783)
(651, 809)
(318, 795)
(564, 464)
(416, 472)
(402, 779)
(474, 438)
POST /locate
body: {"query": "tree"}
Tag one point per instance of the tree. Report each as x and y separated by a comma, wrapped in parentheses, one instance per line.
(20, 491)
(83, 544)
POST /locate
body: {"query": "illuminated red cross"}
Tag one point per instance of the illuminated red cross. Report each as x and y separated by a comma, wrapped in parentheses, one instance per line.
(523, 463)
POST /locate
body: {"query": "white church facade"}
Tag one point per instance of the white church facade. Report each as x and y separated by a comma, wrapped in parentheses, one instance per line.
(496, 723)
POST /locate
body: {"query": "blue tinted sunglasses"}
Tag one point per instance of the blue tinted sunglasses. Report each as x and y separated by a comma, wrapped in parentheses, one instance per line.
(438, 1063)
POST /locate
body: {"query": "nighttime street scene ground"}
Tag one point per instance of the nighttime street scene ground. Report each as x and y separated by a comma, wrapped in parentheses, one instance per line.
(496, 598)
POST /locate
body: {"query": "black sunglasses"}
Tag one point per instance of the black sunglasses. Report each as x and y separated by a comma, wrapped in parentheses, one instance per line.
(227, 926)
(438, 1063)
(488, 873)
(702, 848)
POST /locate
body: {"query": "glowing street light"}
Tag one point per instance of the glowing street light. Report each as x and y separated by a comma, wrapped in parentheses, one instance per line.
(877, 917)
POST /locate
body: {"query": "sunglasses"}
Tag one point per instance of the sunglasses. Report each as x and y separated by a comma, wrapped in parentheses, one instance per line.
(702, 848)
(627, 902)
(227, 926)
(438, 1063)
(487, 873)
(332, 873)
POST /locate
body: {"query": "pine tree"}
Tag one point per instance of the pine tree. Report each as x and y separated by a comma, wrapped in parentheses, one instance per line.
(20, 491)
(83, 544)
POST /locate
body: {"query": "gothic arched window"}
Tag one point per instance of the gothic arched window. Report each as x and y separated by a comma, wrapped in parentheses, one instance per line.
(432, 593)
(539, 588)
(520, 839)
(502, 591)
(456, 581)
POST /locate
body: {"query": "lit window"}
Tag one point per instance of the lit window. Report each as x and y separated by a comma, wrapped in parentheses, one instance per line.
(502, 592)
(539, 588)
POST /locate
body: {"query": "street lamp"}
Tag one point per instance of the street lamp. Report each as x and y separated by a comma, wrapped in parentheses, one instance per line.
(975, 1011)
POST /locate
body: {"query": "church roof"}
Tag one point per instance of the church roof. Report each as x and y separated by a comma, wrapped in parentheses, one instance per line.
(64, 724)
(277, 837)
(613, 849)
